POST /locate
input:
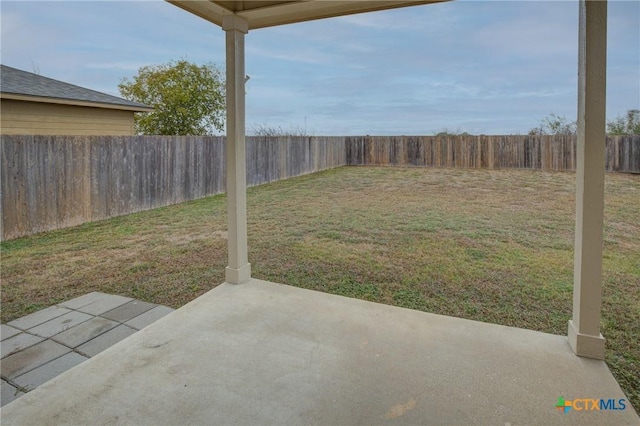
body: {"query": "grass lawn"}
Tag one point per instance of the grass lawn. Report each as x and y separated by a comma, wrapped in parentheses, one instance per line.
(492, 246)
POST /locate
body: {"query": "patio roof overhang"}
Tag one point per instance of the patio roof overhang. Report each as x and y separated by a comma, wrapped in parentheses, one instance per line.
(261, 14)
(237, 17)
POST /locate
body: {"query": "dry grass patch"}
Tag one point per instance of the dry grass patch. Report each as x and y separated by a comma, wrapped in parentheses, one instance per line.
(489, 245)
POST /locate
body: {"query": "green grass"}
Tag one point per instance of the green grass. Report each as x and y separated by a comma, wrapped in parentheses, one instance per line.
(488, 245)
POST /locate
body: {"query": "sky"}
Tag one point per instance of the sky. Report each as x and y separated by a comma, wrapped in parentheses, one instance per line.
(482, 67)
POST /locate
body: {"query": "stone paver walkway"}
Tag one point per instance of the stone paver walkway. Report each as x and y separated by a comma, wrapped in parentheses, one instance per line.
(46, 343)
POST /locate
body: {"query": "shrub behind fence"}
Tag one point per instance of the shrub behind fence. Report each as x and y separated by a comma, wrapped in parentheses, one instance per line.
(51, 182)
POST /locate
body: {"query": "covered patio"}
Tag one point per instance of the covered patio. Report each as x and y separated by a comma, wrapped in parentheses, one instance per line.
(263, 353)
(253, 352)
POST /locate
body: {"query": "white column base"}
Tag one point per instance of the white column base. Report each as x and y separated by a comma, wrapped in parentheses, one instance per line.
(238, 276)
(585, 345)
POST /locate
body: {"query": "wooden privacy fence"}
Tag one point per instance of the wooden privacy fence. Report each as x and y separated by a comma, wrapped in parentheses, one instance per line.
(274, 158)
(51, 182)
(493, 152)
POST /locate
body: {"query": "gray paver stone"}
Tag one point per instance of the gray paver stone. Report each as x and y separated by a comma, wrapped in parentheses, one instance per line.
(85, 300)
(8, 393)
(60, 324)
(102, 342)
(104, 304)
(128, 311)
(84, 332)
(38, 317)
(48, 371)
(19, 342)
(6, 331)
(151, 316)
(32, 357)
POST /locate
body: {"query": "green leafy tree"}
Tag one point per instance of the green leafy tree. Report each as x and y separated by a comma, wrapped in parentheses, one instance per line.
(554, 125)
(629, 125)
(187, 99)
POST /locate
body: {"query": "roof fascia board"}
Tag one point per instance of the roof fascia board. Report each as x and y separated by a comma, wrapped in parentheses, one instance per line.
(42, 99)
(291, 12)
(307, 11)
(205, 9)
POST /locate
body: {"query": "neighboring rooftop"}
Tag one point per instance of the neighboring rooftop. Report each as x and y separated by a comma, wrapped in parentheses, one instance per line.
(23, 85)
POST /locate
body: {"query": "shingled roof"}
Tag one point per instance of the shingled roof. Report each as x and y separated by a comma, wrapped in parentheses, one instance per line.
(23, 85)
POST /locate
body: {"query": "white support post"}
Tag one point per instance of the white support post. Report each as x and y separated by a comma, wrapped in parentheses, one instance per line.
(584, 329)
(239, 269)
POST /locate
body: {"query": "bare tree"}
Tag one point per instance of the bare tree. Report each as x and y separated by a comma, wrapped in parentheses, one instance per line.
(35, 67)
(266, 130)
(554, 125)
(449, 132)
(629, 125)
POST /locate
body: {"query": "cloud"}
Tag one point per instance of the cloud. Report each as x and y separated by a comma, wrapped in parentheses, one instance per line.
(127, 66)
(481, 66)
(368, 20)
(22, 38)
(308, 56)
(541, 33)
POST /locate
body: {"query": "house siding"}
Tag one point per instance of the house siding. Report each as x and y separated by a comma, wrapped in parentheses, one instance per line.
(38, 118)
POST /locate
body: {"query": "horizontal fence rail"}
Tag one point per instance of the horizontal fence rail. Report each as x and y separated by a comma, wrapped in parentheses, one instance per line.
(52, 182)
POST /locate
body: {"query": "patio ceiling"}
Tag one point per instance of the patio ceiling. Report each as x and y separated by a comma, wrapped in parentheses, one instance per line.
(261, 14)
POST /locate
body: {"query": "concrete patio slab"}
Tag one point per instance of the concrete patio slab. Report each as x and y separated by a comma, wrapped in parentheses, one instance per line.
(60, 324)
(38, 317)
(6, 331)
(264, 353)
(18, 343)
(32, 357)
(104, 304)
(48, 371)
(84, 300)
(149, 317)
(84, 332)
(128, 311)
(29, 360)
(105, 340)
(8, 392)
